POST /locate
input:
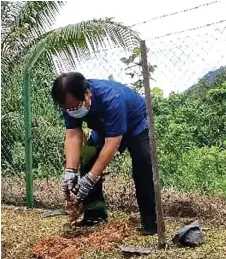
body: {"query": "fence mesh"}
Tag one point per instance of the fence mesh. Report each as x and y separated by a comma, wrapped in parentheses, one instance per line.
(179, 61)
(183, 58)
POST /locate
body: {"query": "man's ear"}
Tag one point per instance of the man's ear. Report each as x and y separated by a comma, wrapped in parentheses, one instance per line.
(88, 93)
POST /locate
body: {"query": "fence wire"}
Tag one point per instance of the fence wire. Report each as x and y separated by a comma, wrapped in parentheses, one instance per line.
(179, 61)
(183, 58)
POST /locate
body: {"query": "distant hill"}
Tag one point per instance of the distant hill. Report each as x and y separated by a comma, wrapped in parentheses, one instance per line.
(205, 82)
(211, 76)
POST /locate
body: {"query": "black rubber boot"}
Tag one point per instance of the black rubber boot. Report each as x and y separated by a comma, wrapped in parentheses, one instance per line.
(93, 217)
(149, 226)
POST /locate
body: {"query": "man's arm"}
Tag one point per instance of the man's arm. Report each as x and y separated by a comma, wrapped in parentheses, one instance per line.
(87, 182)
(72, 146)
(106, 155)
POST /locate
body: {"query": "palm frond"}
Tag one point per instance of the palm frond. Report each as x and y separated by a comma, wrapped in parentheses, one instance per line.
(79, 40)
(9, 11)
(25, 21)
(38, 16)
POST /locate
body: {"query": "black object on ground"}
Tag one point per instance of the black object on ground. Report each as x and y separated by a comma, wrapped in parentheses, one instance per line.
(189, 235)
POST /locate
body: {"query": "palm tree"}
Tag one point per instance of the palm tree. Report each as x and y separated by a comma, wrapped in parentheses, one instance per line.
(26, 26)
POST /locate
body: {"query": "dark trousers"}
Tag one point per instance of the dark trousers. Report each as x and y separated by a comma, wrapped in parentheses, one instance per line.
(138, 147)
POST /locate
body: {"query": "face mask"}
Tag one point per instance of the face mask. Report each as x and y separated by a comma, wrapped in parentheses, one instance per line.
(79, 113)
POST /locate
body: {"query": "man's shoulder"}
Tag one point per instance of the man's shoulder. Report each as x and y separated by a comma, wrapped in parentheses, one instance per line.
(105, 87)
(104, 82)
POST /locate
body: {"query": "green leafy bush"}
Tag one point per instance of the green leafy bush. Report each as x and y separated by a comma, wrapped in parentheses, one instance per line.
(203, 169)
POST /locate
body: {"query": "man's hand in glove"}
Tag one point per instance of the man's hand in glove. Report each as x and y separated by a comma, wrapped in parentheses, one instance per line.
(84, 186)
(70, 179)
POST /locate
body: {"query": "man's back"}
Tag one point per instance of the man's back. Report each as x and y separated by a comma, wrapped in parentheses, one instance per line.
(116, 109)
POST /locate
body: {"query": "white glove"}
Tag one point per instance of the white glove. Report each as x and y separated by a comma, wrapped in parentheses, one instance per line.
(70, 180)
(84, 186)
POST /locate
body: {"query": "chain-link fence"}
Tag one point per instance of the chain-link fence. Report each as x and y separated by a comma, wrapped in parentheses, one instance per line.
(183, 58)
(177, 62)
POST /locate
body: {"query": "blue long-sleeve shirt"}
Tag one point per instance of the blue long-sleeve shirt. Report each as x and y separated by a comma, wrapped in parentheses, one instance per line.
(116, 109)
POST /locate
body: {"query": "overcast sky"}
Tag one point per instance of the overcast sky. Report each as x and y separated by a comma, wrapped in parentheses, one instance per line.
(181, 59)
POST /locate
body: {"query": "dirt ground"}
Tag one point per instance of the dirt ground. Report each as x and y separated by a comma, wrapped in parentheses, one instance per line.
(27, 234)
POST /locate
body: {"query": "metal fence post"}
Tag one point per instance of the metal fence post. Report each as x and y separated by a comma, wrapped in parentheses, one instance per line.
(35, 54)
(28, 140)
(152, 143)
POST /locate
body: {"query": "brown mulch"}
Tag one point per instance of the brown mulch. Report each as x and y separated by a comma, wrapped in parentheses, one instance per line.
(72, 245)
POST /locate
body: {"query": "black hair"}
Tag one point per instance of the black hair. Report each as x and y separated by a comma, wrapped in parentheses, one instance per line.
(73, 83)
